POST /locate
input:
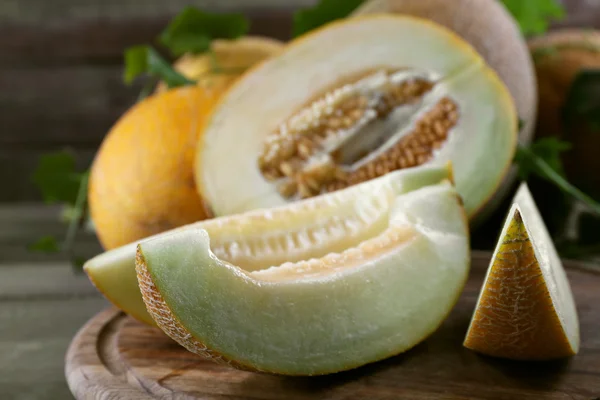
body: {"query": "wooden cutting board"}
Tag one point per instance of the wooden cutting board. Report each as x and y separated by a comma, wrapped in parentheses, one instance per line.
(116, 357)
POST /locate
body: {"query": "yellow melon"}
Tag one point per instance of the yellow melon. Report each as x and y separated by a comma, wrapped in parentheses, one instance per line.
(151, 146)
(231, 59)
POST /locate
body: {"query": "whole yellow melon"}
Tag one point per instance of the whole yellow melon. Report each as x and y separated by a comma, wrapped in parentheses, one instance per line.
(151, 147)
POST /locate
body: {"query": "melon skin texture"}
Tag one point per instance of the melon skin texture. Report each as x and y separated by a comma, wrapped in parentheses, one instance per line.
(150, 146)
(526, 309)
(366, 303)
(481, 146)
(559, 57)
(492, 31)
(113, 272)
(233, 58)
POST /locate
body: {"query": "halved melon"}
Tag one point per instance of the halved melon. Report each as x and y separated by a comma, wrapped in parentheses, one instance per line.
(261, 239)
(353, 101)
(526, 309)
(398, 265)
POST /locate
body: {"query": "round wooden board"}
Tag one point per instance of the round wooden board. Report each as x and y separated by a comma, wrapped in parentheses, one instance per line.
(116, 357)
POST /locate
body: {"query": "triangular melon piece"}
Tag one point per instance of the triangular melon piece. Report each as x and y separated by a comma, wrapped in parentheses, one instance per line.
(370, 300)
(526, 309)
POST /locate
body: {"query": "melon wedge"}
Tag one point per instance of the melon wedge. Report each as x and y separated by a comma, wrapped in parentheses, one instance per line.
(387, 289)
(261, 239)
(526, 309)
(353, 101)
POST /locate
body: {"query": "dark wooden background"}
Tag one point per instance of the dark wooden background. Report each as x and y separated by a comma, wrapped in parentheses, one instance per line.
(61, 66)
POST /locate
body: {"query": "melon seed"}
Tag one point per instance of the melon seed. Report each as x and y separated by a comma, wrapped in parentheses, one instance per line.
(304, 157)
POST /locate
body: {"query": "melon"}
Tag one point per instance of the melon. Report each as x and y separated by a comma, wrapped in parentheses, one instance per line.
(317, 286)
(254, 241)
(230, 59)
(526, 309)
(493, 32)
(353, 101)
(150, 146)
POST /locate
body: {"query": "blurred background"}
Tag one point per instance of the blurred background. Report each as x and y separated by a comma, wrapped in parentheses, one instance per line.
(62, 89)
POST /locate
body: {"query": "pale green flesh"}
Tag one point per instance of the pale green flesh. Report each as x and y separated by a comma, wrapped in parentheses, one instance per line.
(379, 305)
(257, 240)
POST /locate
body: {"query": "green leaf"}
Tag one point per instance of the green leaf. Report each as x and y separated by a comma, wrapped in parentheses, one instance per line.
(583, 100)
(546, 149)
(543, 169)
(534, 16)
(322, 13)
(192, 31)
(136, 63)
(45, 244)
(56, 178)
(141, 60)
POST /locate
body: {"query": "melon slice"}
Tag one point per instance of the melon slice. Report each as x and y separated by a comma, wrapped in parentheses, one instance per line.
(260, 239)
(526, 309)
(403, 263)
(353, 101)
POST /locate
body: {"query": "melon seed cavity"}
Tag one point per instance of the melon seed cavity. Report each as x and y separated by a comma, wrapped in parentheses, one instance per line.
(357, 132)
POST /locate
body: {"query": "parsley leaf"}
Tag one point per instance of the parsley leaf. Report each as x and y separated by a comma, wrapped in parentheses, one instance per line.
(544, 162)
(322, 13)
(45, 244)
(534, 16)
(143, 59)
(548, 149)
(583, 100)
(193, 30)
(56, 178)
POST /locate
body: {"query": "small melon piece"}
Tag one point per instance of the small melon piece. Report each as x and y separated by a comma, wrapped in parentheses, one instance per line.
(388, 289)
(351, 102)
(232, 57)
(149, 149)
(259, 239)
(525, 309)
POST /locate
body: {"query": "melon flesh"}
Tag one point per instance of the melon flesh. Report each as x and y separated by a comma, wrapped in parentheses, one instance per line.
(526, 309)
(375, 298)
(480, 146)
(259, 239)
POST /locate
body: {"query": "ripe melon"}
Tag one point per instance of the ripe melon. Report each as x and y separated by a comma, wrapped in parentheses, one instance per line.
(263, 238)
(352, 101)
(151, 147)
(231, 59)
(526, 309)
(367, 272)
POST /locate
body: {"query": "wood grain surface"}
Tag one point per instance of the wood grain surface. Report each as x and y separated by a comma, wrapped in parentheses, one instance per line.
(115, 357)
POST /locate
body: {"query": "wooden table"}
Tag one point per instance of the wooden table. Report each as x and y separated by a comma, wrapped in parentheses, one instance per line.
(42, 305)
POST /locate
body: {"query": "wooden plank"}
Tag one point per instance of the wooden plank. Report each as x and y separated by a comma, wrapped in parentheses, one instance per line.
(23, 224)
(17, 166)
(41, 281)
(73, 105)
(83, 31)
(34, 336)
